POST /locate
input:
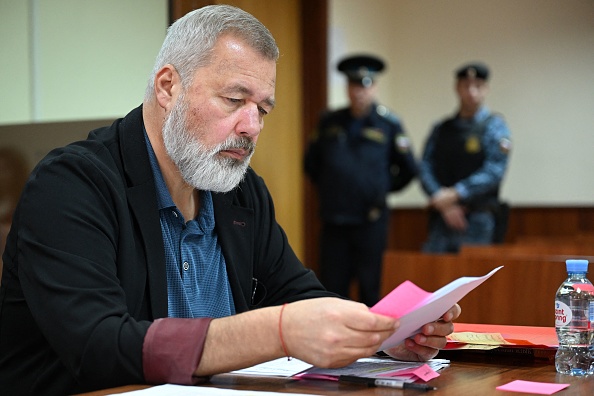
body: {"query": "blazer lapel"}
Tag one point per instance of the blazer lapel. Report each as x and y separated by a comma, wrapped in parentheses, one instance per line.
(235, 229)
(143, 205)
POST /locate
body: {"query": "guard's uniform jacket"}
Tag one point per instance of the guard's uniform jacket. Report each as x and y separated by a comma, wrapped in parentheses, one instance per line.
(356, 162)
(459, 143)
(470, 155)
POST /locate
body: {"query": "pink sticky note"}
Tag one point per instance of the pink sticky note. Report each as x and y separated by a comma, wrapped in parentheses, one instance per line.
(541, 388)
(584, 287)
(425, 372)
(401, 300)
(316, 376)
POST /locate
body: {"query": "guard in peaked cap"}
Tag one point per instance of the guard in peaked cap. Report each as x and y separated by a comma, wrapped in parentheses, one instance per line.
(358, 154)
(361, 69)
(473, 70)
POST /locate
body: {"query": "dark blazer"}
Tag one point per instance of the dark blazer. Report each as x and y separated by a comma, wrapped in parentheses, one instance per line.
(84, 273)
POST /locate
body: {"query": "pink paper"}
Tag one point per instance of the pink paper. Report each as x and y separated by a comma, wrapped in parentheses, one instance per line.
(316, 376)
(584, 286)
(541, 388)
(425, 372)
(401, 300)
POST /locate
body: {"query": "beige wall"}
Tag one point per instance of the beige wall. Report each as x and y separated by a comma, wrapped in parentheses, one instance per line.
(541, 53)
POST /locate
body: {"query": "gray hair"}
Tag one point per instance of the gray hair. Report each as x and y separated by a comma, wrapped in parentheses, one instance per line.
(189, 40)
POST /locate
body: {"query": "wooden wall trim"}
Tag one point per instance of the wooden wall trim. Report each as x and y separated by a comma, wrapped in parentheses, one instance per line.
(495, 300)
(408, 227)
(179, 8)
(314, 27)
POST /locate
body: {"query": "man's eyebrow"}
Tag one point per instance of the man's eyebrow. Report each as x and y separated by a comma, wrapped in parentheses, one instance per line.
(270, 102)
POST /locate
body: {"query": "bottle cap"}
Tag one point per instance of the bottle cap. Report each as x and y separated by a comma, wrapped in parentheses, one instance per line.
(576, 265)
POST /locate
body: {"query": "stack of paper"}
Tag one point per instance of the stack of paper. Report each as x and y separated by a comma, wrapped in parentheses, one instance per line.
(381, 368)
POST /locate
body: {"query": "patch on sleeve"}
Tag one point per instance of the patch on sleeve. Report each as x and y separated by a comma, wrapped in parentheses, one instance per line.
(505, 145)
(403, 143)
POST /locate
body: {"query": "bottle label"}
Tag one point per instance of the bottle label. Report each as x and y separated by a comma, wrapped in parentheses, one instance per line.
(563, 314)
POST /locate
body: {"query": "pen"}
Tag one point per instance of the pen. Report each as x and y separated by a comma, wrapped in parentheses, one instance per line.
(389, 383)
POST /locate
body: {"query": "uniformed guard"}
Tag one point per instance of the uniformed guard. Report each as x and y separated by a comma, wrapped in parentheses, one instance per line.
(359, 154)
(463, 164)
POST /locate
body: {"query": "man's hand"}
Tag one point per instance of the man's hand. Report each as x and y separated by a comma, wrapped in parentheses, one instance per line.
(331, 332)
(429, 341)
(455, 217)
(326, 332)
(444, 198)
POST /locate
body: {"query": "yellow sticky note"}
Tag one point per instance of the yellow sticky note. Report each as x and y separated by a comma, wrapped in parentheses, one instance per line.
(479, 338)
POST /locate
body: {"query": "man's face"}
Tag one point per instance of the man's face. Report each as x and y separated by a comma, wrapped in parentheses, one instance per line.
(361, 97)
(472, 92)
(211, 131)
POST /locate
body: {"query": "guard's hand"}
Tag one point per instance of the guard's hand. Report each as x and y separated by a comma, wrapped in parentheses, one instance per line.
(426, 344)
(444, 198)
(455, 217)
(331, 332)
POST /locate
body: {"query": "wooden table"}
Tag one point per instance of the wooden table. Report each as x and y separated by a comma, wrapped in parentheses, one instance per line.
(467, 375)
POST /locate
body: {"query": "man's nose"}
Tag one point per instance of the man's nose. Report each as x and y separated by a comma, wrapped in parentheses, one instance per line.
(251, 122)
(473, 89)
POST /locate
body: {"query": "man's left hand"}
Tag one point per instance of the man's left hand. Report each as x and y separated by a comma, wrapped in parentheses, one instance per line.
(426, 344)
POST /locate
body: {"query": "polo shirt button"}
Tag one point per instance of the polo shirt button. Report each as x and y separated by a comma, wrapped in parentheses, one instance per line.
(186, 266)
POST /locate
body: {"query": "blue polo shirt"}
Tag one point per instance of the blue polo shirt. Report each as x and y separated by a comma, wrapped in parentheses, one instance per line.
(197, 282)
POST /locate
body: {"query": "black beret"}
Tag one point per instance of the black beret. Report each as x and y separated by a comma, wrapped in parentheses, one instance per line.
(361, 69)
(473, 70)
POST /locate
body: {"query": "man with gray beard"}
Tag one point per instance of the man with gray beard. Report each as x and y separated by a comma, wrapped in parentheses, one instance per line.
(149, 253)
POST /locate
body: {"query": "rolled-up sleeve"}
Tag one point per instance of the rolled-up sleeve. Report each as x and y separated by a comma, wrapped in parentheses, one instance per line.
(172, 350)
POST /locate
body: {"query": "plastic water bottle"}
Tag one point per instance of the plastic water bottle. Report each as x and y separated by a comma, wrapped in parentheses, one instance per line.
(574, 321)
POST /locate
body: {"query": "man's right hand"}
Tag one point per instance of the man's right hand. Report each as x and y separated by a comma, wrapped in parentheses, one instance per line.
(331, 332)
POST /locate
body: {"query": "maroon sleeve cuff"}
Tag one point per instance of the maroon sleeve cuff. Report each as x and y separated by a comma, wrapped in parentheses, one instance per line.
(172, 350)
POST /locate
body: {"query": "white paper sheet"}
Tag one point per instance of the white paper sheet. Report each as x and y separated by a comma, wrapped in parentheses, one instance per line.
(179, 390)
(281, 367)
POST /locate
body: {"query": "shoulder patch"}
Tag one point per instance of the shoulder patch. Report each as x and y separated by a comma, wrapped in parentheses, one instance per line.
(402, 143)
(505, 145)
(384, 112)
